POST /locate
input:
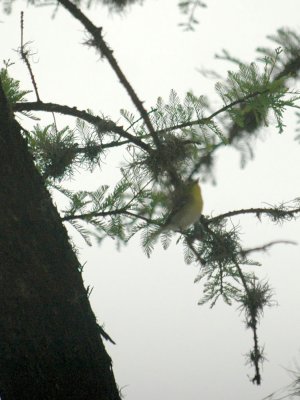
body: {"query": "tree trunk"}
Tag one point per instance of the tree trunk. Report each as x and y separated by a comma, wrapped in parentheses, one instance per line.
(50, 346)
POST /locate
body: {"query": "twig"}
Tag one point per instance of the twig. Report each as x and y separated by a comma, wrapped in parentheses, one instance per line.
(273, 211)
(104, 334)
(25, 59)
(137, 193)
(104, 49)
(55, 124)
(194, 250)
(99, 147)
(265, 247)
(122, 211)
(139, 119)
(253, 325)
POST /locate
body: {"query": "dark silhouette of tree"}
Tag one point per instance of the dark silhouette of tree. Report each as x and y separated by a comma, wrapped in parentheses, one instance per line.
(51, 346)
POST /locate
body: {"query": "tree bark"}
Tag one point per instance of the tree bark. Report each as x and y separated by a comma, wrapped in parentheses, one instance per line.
(50, 346)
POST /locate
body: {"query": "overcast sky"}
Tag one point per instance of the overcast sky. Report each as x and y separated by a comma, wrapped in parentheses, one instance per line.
(168, 347)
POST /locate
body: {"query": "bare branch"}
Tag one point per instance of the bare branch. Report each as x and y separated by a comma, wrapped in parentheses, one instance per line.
(104, 49)
(24, 55)
(274, 212)
(265, 247)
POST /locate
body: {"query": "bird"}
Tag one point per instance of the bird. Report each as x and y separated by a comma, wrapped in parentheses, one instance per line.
(187, 207)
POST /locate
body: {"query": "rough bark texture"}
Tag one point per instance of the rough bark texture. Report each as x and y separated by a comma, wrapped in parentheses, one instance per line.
(49, 341)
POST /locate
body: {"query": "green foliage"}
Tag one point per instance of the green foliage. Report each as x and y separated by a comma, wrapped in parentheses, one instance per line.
(59, 153)
(184, 133)
(243, 131)
(139, 202)
(218, 250)
(84, 232)
(288, 65)
(54, 151)
(11, 86)
(256, 93)
(90, 145)
(175, 113)
(113, 213)
(254, 302)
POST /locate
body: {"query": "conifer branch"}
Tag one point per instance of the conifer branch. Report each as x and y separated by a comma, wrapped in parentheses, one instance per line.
(101, 124)
(203, 121)
(291, 68)
(254, 296)
(98, 42)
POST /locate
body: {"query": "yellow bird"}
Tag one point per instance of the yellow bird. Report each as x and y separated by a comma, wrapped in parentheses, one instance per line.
(187, 207)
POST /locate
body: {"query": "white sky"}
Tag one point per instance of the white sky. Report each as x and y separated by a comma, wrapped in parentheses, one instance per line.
(167, 346)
